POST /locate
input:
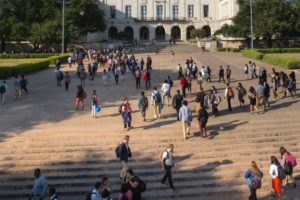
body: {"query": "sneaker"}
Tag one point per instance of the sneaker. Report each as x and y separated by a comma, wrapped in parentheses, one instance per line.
(163, 184)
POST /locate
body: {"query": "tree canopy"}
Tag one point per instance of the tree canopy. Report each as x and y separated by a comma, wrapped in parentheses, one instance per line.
(271, 18)
(40, 21)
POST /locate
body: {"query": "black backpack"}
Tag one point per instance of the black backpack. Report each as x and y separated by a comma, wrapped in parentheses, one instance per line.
(281, 173)
(118, 151)
(2, 89)
(120, 108)
(142, 186)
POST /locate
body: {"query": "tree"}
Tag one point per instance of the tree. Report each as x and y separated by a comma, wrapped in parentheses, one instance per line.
(198, 33)
(6, 10)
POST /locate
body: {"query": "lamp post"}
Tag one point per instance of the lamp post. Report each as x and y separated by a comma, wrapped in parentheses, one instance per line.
(63, 28)
(251, 24)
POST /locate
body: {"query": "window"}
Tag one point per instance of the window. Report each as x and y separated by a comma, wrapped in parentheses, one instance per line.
(191, 11)
(159, 12)
(127, 11)
(205, 10)
(175, 11)
(113, 12)
(143, 12)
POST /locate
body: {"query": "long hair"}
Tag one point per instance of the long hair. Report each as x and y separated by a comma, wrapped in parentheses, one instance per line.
(254, 167)
(274, 161)
(282, 151)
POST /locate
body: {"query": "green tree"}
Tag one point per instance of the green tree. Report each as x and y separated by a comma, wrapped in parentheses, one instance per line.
(6, 19)
(198, 33)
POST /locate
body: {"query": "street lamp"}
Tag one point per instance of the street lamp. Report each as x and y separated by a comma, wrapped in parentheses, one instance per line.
(251, 24)
(63, 26)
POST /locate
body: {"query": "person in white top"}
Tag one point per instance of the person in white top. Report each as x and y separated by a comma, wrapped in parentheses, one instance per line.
(276, 182)
(165, 88)
(167, 162)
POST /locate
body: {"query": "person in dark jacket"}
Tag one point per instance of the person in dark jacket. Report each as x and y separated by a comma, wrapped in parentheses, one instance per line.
(221, 74)
(202, 119)
(266, 95)
(124, 157)
(133, 184)
(177, 103)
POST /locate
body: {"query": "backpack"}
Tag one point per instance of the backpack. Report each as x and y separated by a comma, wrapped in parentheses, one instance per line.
(256, 182)
(120, 108)
(118, 151)
(230, 92)
(281, 173)
(142, 186)
(144, 102)
(2, 89)
(243, 91)
(291, 159)
(157, 98)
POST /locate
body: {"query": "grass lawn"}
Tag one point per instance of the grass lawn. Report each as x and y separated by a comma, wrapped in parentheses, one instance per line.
(287, 60)
(14, 62)
(287, 55)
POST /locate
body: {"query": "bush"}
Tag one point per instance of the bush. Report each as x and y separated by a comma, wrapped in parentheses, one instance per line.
(279, 50)
(61, 58)
(24, 68)
(289, 63)
(253, 54)
(228, 49)
(27, 55)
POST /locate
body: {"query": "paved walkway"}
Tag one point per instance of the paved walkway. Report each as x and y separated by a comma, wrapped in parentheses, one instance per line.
(38, 122)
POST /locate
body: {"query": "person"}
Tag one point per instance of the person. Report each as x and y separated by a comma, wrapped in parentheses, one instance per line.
(266, 95)
(241, 93)
(82, 76)
(105, 194)
(166, 91)
(215, 100)
(142, 64)
(96, 192)
(260, 95)
(67, 79)
(59, 77)
(194, 70)
(124, 156)
(79, 97)
(133, 184)
(179, 69)
(221, 74)
(289, 162)
(228, 73)
(143, 105)
(105, 184)
(148, 79)
(94, 102)
(156, 103)
(17, 87)
(185, 115)
(246, 71)
(52, 193)
(126, 114)
(253, 176)
(177, 103)
(70, 61)
(138, 75)
(117, 74)
(3, 89)
(167, 162)
(229, 94)
(252, 99)
(292, 76)
(202, 120)
(23, 84)
(274, 173)
(208, 70)
(170, 83)
(40, 186)
(125, 193)
(172, 54)
(184, 85)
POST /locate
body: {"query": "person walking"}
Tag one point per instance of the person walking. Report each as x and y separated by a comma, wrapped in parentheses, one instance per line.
(246, 71)
(70, 61)
(3, 89)
(274, 173)
(289, 162)
(252, 98)
(147, 78)
(228, 73)
(229, 94)
(177, 103)
(80, 95)
(202, 120)
(156, 103)
(125, 154)
(126, 115)
(184, 85)
(266, 95)
(241, 93)
(253, 176)
(170, 83)
(166, 92)
(260, 96)
(208, 70)
(59, 77)
(40, 186)
(143, 105)
(67, 79)
(185, 115)
(117, 74)
(167, 162)
(94, 102)
(221, 74)
(17, 87)
(138, 75)
(23, 84)
(215, 100)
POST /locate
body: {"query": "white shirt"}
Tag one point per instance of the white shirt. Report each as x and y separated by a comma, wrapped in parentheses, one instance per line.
(165, 87)
(273, 171)
(168, 156)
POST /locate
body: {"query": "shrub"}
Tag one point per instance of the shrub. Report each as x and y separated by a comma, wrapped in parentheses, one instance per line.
(24, 68)
(289, 63)
(27, 55)
(228, 49)
(279, 50)
(253, 54)
(61, 58)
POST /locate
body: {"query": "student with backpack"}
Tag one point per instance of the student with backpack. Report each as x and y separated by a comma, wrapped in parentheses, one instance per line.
(143, 105)
(126, 194)
(156, 102)
(167, 162)
(23, 84)
(3, 89)
(229, 94)
(241, 93)
(253, 176)
(165, 88)
(289, 162)
(67, 79)
(186, 117)
(277, 174)
(59, 77)
(202, 120)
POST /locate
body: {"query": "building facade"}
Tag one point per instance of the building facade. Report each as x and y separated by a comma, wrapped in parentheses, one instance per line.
(148, 20)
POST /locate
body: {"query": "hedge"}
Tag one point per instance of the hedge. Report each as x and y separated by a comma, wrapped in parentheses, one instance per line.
(27, 55)
(61, 58)
(279, 50)
(289, 63)
(253, 54)
(24, 68)
(228, 49)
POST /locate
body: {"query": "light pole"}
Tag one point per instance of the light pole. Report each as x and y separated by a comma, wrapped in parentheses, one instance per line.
(251, 24)
(63, 28)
